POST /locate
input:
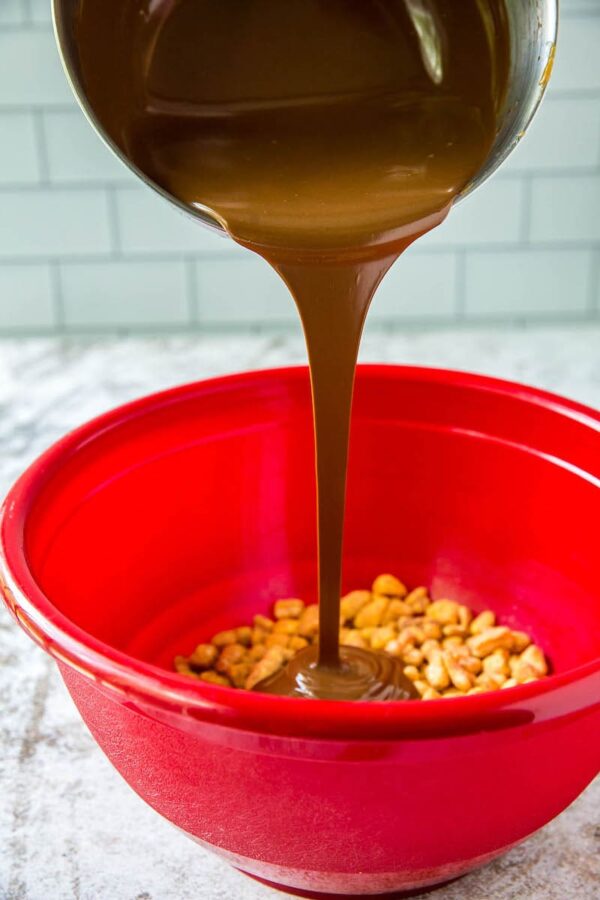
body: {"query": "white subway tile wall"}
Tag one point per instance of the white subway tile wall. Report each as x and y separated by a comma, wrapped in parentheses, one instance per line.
(40, 11)
(491, 215)
(85, 248)
(528, 282)
(153, 294)
(42, 222)
(241, 289)
(30, 71)
(27, 298)
(565, 209)
(74, 153)
(19, 160)
(148, 224)
(11, 12)
(422, 288)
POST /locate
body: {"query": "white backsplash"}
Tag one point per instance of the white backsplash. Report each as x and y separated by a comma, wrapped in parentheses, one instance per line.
(84, 248)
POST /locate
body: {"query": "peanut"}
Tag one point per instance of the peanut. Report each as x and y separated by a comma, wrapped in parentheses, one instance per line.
(395, 647)
(354, 639)
(531, 664)
(460, 654)
(520, 641)
(443, 611)
(225, 637)
(414, 634)
(183, 667)
(497, 663)
(259, 635)
(214, 678)
(534, 657)
(395, 609)
(308, 623)
(453, 641)
(288, 609)
(382, 636)
(271, 662)
(490, 682)
(352, 603)
(204, 656)
(418, 599)
(286, 626)
(244, 635)
(297, 643)
(239, 673)
(429, 647)
(483, 621)
(471, 664)
(432, 630)
(277, 640)
(435, 671)
(257, 651)
(412, 656)
(389, 586)
(464, 616)
(230, 655)
(412, 673)
(460, 678)
(485, 642)
(407, 638)
(372, 613)
(454, 631)
(430, 694)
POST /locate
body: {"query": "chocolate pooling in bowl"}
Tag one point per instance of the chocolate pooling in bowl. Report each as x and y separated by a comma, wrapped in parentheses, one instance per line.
(359, 675)
(327, 137)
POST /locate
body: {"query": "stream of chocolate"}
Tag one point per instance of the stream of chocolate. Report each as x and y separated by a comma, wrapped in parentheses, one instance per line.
(325, 135)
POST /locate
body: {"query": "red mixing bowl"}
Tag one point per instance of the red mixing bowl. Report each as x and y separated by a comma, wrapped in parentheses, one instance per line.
(145, 531)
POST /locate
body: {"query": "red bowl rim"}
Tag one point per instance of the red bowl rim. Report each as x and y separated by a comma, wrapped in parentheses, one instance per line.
(156, 689)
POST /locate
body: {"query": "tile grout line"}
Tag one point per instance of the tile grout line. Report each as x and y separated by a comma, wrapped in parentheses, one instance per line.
(165, 256)
(27, 12)
(27, 26)
(438, 323)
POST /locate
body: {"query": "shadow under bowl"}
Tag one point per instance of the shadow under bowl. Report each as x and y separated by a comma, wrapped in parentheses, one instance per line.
(148, 529)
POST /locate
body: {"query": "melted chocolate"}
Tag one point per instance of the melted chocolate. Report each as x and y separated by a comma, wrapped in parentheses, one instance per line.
(325, 135)
(359, 675)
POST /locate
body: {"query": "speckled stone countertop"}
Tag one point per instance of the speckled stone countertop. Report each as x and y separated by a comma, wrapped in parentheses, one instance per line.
(69, 826)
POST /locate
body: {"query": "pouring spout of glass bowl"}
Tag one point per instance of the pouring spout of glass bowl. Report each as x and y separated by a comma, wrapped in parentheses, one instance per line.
(532, 30)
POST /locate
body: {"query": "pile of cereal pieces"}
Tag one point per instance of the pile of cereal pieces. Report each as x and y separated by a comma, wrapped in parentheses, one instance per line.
(446, 649)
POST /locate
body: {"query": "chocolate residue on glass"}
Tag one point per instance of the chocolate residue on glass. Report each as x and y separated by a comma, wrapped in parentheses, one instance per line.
(327, 137)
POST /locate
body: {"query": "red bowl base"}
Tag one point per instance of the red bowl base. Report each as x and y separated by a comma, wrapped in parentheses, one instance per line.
(318, 895)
